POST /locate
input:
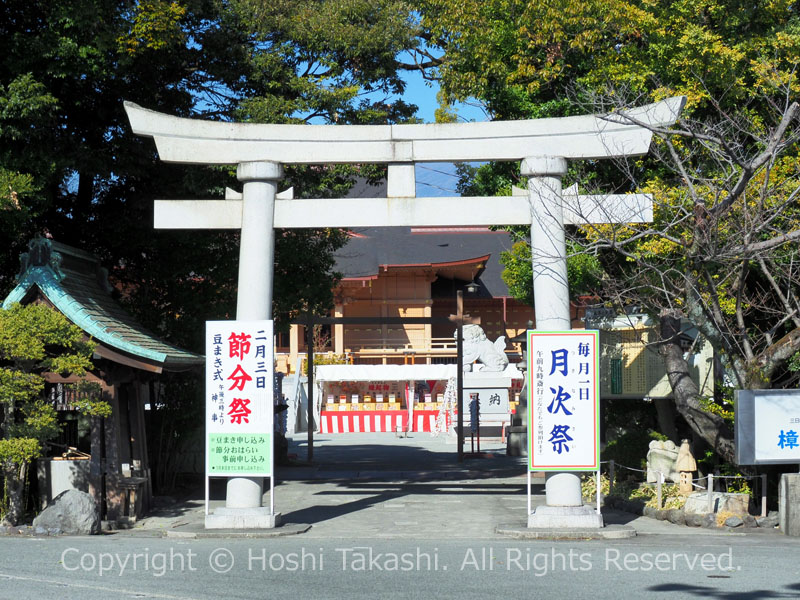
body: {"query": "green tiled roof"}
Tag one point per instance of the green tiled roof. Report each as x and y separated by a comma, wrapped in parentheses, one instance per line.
(73, 281)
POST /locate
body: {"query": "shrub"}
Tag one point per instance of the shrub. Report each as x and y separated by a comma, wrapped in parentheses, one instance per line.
(329, 358)
(628, 489)
(34, 340)
(630, 448)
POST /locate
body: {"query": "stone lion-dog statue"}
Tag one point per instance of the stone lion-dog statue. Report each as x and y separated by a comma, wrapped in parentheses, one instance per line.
(478, 347)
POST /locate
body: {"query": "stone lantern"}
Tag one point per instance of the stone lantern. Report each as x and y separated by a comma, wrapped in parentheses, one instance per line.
(685, 464)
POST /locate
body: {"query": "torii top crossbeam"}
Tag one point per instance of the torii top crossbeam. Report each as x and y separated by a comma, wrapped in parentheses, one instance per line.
(581, 137)
(543, 146)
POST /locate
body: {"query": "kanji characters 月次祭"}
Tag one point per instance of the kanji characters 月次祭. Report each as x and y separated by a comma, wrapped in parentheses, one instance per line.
(563, 401)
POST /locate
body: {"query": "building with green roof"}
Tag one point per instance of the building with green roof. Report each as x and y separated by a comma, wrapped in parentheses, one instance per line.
(128, 360)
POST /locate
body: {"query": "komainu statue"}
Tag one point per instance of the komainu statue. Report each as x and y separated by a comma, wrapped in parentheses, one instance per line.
(478, 347)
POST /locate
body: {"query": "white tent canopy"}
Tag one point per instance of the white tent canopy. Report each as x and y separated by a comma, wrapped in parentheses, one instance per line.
(383, 372)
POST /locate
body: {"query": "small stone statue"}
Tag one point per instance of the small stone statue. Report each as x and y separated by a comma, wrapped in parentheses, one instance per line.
(685, 464)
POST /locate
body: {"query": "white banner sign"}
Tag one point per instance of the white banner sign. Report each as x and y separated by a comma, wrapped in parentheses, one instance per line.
(563, 401)
(767, 427)
(239, 398)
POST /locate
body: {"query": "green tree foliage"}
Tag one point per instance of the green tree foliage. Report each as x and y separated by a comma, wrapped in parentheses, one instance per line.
(328, 59)
(721, 251)
(70, 166)
(73, 166)
(526, 59)
(35, 340)
(583, 271)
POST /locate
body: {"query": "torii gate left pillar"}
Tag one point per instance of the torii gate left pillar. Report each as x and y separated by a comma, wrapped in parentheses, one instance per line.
(254, 297)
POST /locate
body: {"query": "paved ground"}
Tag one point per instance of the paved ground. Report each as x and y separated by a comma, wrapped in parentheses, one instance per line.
(665, 566)
(380, 486)
(397, 518)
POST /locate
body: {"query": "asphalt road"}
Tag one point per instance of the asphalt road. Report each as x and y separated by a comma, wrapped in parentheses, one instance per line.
(122, 566)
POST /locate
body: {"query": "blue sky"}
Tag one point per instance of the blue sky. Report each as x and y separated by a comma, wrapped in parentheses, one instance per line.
(423, 94)
(435, 179)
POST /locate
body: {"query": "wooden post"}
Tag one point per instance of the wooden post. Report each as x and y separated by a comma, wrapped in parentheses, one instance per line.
(113, 495)
(658, 489)
(611, 467)
(310, 369)
(140, 442)
(96, 462)
(460, 372)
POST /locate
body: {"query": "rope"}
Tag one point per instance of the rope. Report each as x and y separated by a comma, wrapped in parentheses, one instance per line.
(694, 485)
(616, 464)
(631, 468)
(701, 487)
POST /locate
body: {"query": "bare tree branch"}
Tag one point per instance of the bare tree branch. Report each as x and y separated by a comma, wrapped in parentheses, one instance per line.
(751, 249)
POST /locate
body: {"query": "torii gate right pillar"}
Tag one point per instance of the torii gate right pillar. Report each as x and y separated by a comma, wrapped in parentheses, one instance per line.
(564, 506)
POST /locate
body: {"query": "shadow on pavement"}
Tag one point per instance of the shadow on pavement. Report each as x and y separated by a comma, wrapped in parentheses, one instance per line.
(702, 591)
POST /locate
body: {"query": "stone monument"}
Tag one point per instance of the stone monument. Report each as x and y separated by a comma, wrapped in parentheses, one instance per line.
(661, 459)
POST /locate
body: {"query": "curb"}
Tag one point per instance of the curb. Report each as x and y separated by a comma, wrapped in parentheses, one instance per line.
(609, 532)
(404, 476)
(282, 531)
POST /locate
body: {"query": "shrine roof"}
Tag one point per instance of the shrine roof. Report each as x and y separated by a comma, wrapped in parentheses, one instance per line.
(73, 281)
(476, 249)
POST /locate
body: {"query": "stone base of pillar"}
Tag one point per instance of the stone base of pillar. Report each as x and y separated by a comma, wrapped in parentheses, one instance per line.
(244, 492)
(517, 441)
(242, 518)
(789, 503)
(564, 517)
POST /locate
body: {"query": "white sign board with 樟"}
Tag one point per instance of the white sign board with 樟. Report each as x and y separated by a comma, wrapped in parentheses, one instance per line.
(767, 427)
(563, 401)
(239, 398)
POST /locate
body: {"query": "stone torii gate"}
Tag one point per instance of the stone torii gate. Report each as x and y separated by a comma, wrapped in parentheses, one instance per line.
(543, 146)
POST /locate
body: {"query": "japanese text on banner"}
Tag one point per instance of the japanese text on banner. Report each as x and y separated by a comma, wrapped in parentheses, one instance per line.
(563, 400)
(239, 402)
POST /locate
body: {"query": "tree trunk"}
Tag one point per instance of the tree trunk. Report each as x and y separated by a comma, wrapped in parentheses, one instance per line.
(15, 486)
(710, 427)
(665, 410)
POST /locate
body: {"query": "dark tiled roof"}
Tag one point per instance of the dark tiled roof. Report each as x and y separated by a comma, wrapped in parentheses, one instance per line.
(372, 247)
